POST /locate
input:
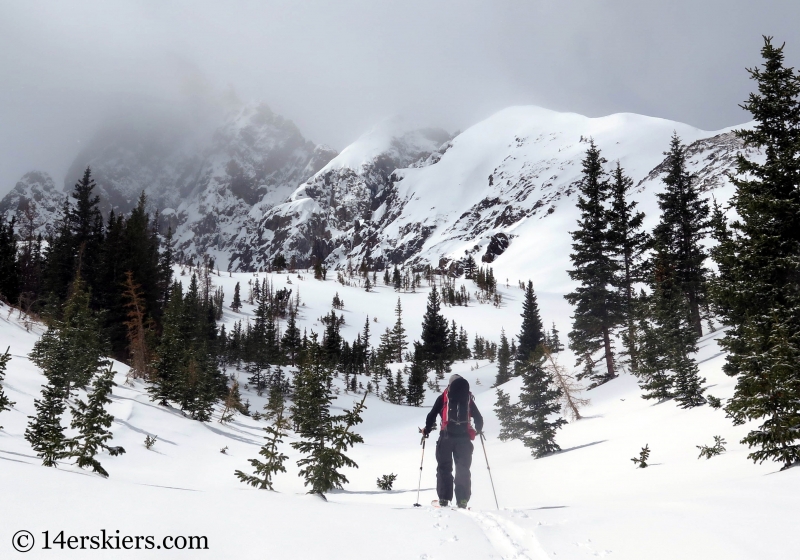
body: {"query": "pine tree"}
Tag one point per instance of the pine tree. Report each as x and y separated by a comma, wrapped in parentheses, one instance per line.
(72, 349)
(435, 330)
(92, 421)
(503, 360)
(45, 432)
(324, 437)
(539, 399)
(236, 304)
(668, 369)
(9, 263)
(291, 337)
(628, 243)
(5, 402)
(418, 375)
(681, 229)
(531, 333)
(397, 281)
(274, 459)
(759, 278)
(507, 415)
(398, 335)
(597, 303)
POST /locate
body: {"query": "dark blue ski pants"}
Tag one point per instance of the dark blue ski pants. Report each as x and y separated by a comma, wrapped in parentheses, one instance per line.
(451, 450)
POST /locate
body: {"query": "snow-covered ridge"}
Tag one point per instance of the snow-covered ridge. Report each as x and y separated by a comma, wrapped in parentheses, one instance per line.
(398, 194)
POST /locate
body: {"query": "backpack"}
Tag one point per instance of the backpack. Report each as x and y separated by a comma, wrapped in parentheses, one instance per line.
(457, 411)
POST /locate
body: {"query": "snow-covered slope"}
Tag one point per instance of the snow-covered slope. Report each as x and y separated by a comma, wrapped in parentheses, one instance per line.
(502, 188)
(587, 501)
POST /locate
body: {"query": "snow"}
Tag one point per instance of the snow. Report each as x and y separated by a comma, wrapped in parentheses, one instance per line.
(586, 501)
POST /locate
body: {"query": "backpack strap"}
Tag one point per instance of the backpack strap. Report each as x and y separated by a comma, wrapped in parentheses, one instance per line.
(445, 405)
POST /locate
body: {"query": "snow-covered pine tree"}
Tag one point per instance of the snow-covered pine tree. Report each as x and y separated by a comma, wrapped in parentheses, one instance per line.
(596, 301)
(92, 421)
(628, 243)
(5, 402)
(531, 333)
(762, 304)
(681, 230)
(274, 459)
(503, 360)
(538, 400)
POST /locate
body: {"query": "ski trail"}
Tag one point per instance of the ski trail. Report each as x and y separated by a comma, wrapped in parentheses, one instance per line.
(509, 539)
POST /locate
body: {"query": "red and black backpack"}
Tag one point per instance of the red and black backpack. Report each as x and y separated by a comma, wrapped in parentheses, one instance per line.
(457, 409)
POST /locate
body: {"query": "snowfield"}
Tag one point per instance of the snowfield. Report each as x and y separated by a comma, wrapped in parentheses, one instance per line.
(587, 501)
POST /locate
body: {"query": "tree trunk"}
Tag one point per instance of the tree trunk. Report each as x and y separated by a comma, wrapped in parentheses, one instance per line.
(609, 357)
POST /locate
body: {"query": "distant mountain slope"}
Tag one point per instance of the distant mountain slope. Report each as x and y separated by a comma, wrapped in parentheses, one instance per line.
(398, 195)
(35, 202)
(505, 184)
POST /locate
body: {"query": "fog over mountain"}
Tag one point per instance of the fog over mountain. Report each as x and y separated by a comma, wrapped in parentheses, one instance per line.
(335, 69)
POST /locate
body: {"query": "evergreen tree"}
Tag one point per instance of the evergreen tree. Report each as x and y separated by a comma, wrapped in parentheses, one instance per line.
(507, 415)
(555, 342)
(399, 343)
(435, 331)
(93, 422)
(274, 459)
(45, 432)
(597, 303)
(291, 337)
(5, 402)
(418, 375)
(531, 334)
(503, 360)
(679, 233)
(9, 263)
(539, 399)
(628, 243)
(397, 281)
(86, 228)
(760, 267)
(72, 349)
(236, 304)
(324, 437)
(668, 368)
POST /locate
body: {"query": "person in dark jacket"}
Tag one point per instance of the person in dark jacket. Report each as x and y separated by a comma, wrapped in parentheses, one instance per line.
(455, 440)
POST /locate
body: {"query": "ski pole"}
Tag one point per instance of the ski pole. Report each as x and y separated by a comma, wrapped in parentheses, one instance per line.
(419, 485)
(488, 468)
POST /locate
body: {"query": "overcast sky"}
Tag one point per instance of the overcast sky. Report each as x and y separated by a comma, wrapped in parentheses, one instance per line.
(335, 67)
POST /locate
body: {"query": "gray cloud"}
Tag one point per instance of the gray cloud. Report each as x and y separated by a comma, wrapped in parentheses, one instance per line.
(335, 67)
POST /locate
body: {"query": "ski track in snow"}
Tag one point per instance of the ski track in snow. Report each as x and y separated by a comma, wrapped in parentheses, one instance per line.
(510, 540)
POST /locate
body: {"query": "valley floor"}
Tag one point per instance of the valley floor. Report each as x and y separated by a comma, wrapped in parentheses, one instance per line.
(587, 501)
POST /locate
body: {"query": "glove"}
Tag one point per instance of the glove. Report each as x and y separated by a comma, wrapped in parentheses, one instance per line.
(424, 432)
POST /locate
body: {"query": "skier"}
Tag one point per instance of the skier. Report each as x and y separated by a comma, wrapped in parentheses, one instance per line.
(456, 405)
